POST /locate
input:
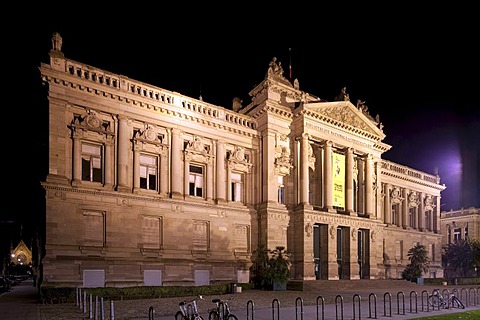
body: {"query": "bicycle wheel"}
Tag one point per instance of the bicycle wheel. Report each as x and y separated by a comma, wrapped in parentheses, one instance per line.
(434, 301)
(231, 316)
(179, 316)
(457, 303)
(213, 315)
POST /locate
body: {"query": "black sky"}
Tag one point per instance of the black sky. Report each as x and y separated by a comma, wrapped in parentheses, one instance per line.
(419, 73)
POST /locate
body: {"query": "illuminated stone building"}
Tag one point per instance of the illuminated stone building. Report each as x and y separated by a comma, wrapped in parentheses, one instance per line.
(150, 187)
(21, 255)
(460, 224)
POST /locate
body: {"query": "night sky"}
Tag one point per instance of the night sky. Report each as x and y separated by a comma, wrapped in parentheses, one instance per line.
(421, 77)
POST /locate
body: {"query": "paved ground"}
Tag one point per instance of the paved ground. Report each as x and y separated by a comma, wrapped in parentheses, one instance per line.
(388, 303)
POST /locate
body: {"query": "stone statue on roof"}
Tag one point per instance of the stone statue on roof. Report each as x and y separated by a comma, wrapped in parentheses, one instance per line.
(343, 96)
(275, 67)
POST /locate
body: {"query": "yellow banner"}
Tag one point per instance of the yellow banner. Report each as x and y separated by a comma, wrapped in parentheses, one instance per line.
(338, 180)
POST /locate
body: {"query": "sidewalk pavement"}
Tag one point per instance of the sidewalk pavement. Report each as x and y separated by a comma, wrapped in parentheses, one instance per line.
(22, 303)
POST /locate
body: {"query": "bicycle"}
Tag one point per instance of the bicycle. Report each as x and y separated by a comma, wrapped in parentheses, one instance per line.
(188, 310)
(221, 311)
(437, 300)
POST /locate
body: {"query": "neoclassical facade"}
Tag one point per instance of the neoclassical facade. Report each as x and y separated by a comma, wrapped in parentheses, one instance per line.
(150, 187)
(460, 224)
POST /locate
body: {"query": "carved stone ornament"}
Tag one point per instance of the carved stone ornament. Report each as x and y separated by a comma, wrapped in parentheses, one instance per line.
(428, 202)
(196, 145)
(308, 229)
(239, 154)
(92, 120)
(332, 232)
(150, 133)
(413, 199)
(395, 196)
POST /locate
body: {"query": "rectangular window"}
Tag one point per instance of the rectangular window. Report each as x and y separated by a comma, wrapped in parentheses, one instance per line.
(94, 229)
(411, 215)
(395, 211)
(237, 187)
(148, 172)
(281, 190)
(196, 181)
(457, 232)
(92, 162)
(152, 232)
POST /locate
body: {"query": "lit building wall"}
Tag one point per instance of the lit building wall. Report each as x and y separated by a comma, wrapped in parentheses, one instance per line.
(147, 186)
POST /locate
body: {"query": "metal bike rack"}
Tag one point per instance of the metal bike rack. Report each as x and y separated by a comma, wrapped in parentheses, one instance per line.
(413, 294)
(402, 295)
(151, 313)
(322, 299)
(275, 303)
(425, 294)
(370, 305)
(336, 306)
(359, 299)
(250, 310)
(471, 293)
(387, 294)
(299, 301)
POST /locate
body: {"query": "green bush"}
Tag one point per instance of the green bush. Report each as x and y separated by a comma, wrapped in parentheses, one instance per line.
(51, 294)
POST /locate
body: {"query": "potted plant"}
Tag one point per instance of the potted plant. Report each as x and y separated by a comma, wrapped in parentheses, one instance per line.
(273, 268)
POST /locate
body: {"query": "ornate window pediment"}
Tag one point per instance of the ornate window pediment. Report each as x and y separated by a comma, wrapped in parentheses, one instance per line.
(238, 161)
(197, 150)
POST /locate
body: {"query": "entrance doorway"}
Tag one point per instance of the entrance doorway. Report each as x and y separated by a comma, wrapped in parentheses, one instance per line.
(320, 250)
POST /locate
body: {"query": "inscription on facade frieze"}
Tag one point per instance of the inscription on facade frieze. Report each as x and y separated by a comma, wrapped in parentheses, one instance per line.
(337, 134)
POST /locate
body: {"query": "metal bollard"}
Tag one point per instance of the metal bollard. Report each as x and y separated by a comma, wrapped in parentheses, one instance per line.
(112, 313)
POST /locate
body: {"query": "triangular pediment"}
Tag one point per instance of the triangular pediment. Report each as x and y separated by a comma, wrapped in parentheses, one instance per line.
(345, 115)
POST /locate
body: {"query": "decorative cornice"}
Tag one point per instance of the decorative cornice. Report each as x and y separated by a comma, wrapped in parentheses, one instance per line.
(162, 102)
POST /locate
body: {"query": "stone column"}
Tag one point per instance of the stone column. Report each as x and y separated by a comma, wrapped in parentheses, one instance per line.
(349, 178)
(77, 157)
(405, 222)
(123, 149)
(209, 195)
(387, 205)
(354, 266)
(136, 169)
(177, 165)
(436, 224)
(332, 253)
(378, 190)
(421, 213)
(221, 187)
(369, 185)
(328, 176)
(229, 183)
(109, 163)
(270, 180)
(304, 181)
(164, 178)
(186, 174)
